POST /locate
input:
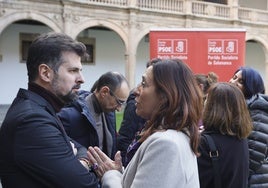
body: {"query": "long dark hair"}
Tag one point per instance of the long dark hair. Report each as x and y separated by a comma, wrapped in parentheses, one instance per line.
(181, 108)
(226, 111)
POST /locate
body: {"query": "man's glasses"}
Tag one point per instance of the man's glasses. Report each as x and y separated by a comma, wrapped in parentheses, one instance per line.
(119, 102)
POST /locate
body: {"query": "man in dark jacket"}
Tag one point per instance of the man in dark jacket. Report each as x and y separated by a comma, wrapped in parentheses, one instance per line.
(91, 119)
(35, 150)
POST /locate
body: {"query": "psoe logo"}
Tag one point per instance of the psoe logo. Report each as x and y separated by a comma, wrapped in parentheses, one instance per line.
(164, 46)
(215, 46)
(231, 46)
(222, 46)
(180, 46)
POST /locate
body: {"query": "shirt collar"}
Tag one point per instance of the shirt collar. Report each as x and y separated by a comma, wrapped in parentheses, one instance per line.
(56, 103)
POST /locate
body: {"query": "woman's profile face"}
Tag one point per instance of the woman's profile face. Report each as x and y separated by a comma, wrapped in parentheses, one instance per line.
(237, 80)
(147, 100)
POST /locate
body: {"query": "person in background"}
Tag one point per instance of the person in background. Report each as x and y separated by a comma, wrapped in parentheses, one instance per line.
(250, 82)
(226, 119)
(91, 119)
(169, 98)
(205, 81)
(35, 150)
(131, 125)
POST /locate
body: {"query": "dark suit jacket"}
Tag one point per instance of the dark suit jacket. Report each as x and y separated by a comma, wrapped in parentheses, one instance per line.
(80, 125)
(35, 150)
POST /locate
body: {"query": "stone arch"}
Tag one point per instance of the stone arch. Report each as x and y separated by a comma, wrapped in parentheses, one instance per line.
(262, 66)
(143, 33)
(139, 37)
(92, 23)
(11, 18)
(261, 41)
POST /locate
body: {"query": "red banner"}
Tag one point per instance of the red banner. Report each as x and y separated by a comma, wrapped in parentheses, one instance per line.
(221, 51)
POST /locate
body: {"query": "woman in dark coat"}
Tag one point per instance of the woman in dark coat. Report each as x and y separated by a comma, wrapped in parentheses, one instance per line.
(226, 119)
(252, 86)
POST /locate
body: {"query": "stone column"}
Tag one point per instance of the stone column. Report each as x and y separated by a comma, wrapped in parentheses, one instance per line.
(69, 20)
(132, 3)
(131, 50)
(234, 8)
(188, 11)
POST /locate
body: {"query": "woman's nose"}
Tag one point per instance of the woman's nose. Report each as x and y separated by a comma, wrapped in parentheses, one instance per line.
(232, 81)
(136, 90)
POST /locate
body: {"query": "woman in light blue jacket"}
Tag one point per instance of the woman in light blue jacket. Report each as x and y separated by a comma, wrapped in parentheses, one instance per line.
(169, 98)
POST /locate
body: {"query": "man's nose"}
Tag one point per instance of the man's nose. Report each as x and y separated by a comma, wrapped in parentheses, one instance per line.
(81, 78)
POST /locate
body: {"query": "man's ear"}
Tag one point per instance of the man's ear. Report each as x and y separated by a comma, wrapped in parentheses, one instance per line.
(104, 91)
(45, 73)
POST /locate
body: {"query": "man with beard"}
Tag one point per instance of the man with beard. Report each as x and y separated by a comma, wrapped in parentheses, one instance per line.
(35, 150)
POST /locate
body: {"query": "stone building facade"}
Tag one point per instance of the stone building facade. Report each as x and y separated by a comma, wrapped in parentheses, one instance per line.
(132, 20)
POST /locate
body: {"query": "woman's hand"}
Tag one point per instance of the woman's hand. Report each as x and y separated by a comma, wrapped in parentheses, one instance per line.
(102, 163)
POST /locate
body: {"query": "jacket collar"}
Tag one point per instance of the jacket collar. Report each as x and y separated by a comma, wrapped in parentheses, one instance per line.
(50, 97)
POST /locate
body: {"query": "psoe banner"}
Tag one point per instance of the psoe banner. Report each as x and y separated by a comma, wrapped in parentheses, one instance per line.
(219, 50)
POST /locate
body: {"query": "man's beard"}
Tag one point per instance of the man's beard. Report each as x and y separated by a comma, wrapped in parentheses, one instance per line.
(69, 98)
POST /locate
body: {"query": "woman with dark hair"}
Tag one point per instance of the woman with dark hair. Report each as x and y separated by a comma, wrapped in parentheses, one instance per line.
(131, 126)
(249, 81)
(251, 84)
(227, 121)
(169, 98)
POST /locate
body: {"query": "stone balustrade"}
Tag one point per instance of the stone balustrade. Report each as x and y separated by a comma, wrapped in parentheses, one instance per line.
(194, 8)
